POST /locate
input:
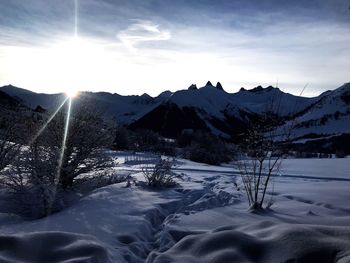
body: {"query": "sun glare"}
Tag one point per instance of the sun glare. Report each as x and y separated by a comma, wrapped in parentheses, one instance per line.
(72, 93)
(71, 62)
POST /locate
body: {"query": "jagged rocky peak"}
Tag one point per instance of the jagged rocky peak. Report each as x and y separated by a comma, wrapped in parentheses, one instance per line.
(219, 86)
(193, 87)
(209, 84)
(261, 89)
(257, 89)
(242, 89)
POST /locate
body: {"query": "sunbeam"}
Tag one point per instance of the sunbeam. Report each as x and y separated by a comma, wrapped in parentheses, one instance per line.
(64, 140)
(75, 18)
(71, 93)
(46, 123)
(72, 50)
(61, 156)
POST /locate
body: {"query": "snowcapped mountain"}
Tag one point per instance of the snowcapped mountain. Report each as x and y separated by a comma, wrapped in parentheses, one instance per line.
(215, 100)
(211, 108)
(32, 99)
(328, 116)
(125, 109)
(208, 108)
(261, 99)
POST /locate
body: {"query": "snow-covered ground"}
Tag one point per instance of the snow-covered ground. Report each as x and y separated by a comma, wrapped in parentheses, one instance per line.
(204, 219)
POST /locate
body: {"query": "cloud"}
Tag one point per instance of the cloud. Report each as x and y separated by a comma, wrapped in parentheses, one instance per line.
(142, 31)
(240, 43)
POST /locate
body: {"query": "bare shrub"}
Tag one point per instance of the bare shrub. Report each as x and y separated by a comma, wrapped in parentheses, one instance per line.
(261, 153)
(160, 174)
(88, 182)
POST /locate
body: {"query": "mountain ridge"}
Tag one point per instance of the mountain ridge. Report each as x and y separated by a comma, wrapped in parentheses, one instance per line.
(209, 108)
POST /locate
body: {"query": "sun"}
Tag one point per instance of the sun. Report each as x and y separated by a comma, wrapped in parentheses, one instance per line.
(74, 62)
(72, 93)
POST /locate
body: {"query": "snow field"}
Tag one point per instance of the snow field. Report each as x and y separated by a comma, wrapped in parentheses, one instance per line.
(204, 219)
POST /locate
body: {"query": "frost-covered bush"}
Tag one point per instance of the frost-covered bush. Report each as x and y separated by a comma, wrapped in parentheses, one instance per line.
(88, 182)
(84, 147)
(45, 171)
(32, 182)
(160, 174)
(14, 132)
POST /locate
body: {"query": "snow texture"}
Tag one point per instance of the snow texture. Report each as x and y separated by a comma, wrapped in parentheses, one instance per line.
(53, 247)
(204, 219)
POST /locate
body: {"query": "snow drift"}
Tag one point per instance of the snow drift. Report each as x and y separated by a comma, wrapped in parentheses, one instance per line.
(263, 242)
(204, 219)
(51, 247)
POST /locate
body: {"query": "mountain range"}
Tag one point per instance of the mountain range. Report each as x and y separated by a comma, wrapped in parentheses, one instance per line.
(210, 108)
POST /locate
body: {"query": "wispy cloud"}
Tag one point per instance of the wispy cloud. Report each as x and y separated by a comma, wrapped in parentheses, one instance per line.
(142, 31)
(239, 43)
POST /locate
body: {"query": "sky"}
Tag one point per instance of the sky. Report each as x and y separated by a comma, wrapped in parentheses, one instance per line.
(149, 46)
